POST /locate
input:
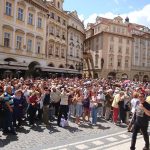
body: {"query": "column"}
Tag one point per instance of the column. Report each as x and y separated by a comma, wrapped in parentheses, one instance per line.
(15, 10)
(26, 16)
(34, 45)
(35, 20)
(25, 40)
(13, 40)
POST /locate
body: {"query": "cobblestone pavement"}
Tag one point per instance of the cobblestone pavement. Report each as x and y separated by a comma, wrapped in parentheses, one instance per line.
(40, 137)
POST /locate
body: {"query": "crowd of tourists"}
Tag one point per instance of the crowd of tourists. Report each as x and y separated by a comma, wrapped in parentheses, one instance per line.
(82, 99)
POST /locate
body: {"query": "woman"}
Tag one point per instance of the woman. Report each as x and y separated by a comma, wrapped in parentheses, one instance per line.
(94, 107)
(134, 103)
(18, 108)
(78, 99)
(64, 105)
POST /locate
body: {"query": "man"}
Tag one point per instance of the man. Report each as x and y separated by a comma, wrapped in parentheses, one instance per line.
(141, 122)
(55, 97)
(46, 103)
(101, 99)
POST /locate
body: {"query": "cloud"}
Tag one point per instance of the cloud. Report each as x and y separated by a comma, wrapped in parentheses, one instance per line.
(137, 16)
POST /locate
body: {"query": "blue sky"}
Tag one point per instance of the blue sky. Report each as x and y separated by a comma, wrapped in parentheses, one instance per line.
(137, 10)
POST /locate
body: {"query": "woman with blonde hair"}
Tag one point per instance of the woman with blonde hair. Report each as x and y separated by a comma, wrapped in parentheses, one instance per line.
(79, 110)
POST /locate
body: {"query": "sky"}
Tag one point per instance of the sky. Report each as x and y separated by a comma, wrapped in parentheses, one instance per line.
(138, 11)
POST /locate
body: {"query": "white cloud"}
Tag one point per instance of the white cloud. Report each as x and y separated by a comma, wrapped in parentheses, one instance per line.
(81, 17)
(137, 16)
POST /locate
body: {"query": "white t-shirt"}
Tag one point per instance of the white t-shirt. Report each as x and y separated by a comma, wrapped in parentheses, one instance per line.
(134, 104)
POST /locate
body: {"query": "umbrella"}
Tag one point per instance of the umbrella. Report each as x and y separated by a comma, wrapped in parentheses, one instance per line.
(126, 81)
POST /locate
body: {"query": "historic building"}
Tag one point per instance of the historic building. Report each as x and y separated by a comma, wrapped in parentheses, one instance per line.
(34, 38)
(23, 35)
(140, 60)
(76, 37)
(110, 50)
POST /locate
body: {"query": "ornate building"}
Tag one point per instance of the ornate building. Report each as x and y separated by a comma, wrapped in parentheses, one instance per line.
(23, 32)
(76, 37)
(34, 38)
(110, 50)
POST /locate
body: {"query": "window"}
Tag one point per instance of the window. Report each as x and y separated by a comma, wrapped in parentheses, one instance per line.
(58, 19)
(30, 19)
(62, 53)
(50, 51)
(114, 29)
(57, 52)
(127, 50)
(128, 41)
(119, 62)
(71, 36)
(39, 22)
(96, 60)
(77, 55)
(63, 36)
(120, 40)
(19, 42)
(71, 51)
(57, 33)
(111, 48)
(64, 22)
(38, 47)
(20, 14)
(126, 63)
(52, 30)
(118, 29)
(8, 8)
(58, 5)
(29, 45)
(7, 39)
(120, 49)
(52, 15)
(112, 38)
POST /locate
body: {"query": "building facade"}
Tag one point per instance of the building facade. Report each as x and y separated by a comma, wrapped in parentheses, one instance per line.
(76, 37)
(23, 35)
(110, 50)
(34, 38)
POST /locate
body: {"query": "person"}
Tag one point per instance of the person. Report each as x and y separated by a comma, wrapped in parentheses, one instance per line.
(78, 99)
(141, 122)
(8, 115)
(134, 103)
(55, 97)
(108, 104)
(101, 97)
(64, 106)
(46, 103)
(18, 108)
(94, 107)
(115, 106)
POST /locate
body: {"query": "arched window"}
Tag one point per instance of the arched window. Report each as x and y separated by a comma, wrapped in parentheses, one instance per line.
(58, 4)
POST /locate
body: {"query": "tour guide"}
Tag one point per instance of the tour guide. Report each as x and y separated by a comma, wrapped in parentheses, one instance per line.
(141, 122)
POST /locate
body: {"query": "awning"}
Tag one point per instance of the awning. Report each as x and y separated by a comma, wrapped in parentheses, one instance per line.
(13, 67)
(61, 70)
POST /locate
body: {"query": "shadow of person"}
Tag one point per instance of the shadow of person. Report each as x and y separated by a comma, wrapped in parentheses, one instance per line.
(9, 138)
(102, 127)
(52, 129)
(22, 130)
(37, 128)
(72, 129)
